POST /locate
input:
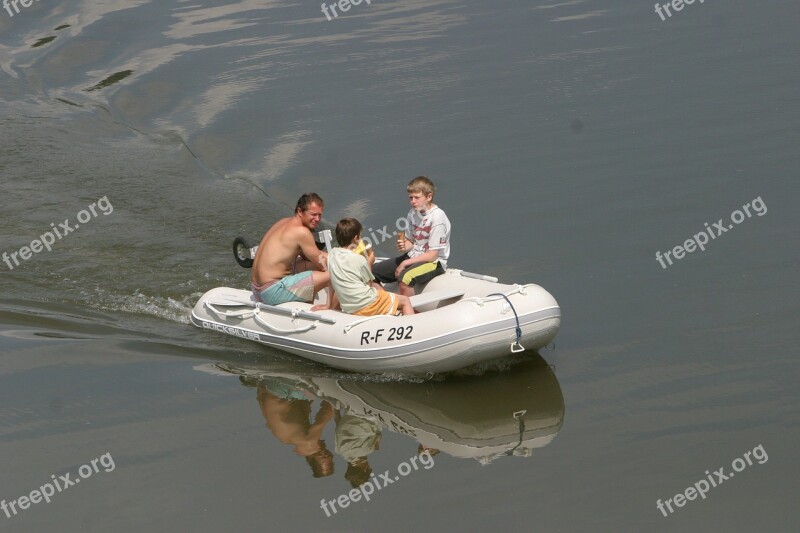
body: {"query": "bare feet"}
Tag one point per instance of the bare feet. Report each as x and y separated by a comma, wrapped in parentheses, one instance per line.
(405, 305)
(405, 290)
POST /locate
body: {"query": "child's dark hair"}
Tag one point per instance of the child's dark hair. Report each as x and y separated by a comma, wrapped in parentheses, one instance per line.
(346, 230)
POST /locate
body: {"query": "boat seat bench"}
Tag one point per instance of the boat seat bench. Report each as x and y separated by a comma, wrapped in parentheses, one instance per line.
(418, 300)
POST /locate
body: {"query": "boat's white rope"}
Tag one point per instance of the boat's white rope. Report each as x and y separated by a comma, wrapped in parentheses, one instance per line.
(480, 300)
(519, 289)
(477, 299)
(351, 325)
(243, 313)
(266, 324)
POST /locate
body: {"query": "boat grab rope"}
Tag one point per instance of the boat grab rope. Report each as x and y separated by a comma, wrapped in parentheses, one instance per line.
(515, 346)
(244, 313)
(266, 324)
(355, 323)
(482, 300)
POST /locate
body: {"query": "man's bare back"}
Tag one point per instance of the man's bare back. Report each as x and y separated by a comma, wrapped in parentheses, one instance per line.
(279, 248)
(278, 252)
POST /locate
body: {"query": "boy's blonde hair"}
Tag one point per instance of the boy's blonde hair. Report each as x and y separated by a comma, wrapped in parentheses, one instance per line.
(421, 184)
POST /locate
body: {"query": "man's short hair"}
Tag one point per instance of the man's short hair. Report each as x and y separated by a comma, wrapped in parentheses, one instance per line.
(308, 199)
(421, 184)
(346, 230)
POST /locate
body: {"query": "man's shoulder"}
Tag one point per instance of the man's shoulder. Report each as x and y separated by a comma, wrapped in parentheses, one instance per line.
(283, 223)
(295, 230)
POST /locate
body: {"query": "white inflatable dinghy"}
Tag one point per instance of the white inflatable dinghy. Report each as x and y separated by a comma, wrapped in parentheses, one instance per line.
(461, 319)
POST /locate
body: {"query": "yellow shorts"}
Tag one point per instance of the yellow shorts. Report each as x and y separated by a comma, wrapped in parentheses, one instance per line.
(385, 304)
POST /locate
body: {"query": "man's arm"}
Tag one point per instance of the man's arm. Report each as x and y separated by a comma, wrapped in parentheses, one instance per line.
(310, 251)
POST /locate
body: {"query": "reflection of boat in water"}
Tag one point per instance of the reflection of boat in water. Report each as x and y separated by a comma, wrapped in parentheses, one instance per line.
(480, 417)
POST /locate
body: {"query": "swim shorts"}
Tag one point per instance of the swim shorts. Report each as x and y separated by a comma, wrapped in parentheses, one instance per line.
(385, 304)
(283, 389)
(293, 288)
(412, 275)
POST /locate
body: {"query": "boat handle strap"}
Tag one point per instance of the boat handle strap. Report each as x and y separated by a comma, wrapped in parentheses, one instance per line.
(243, 313)
(266, 324)
(516, 346)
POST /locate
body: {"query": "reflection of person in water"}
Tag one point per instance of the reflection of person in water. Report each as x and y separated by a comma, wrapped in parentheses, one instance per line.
(287, 412)
(356, 438)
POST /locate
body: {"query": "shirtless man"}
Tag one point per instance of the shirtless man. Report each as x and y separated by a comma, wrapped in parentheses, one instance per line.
(281, 267)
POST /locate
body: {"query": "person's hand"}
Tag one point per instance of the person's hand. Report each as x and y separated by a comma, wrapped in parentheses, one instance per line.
(323, 261)
(399, 269)
(401, 242)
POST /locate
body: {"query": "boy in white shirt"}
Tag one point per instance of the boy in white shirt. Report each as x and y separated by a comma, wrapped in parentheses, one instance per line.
(426, 241)
(352, 279)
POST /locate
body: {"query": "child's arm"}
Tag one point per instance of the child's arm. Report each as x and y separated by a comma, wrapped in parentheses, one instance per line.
(428, 257)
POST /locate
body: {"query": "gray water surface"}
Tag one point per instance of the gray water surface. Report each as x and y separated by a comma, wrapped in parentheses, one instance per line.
(569, 141)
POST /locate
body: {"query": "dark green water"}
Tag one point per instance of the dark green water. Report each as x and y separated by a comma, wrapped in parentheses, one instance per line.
(570, 142)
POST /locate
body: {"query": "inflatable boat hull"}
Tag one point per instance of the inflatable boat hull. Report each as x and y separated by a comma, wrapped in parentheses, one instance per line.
(469, 324)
